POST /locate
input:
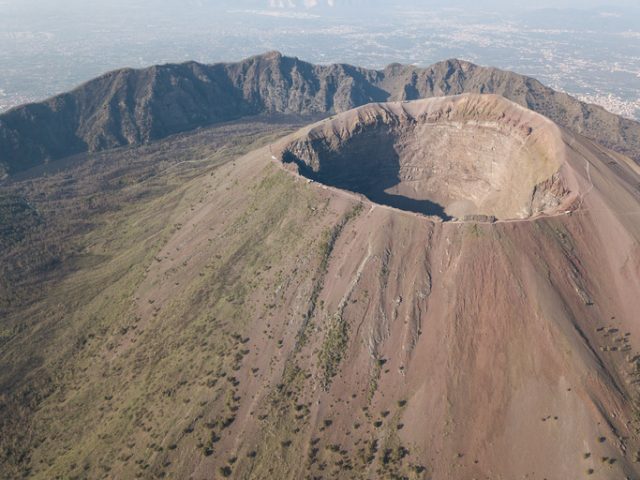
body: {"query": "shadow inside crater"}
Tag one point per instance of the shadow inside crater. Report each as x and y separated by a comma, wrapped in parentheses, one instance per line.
(369, 165)
(425, 207)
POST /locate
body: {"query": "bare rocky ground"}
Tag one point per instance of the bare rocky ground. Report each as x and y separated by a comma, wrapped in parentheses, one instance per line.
(279, 314)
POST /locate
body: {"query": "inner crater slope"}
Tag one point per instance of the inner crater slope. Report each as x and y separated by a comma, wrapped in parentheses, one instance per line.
(456, 157)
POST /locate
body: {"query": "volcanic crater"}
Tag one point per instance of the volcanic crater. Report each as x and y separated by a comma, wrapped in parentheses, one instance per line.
(457, 158)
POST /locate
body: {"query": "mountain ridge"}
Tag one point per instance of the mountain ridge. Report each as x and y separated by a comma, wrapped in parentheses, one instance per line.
(136, 106)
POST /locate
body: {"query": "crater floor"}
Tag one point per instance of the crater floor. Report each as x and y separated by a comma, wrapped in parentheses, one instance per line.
(451, 157)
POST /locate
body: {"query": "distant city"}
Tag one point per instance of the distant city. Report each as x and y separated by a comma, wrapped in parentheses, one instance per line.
(592, 54)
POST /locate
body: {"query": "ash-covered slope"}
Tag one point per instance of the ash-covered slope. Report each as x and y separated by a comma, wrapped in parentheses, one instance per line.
(256, 324)
(128, 106)
(388, 345)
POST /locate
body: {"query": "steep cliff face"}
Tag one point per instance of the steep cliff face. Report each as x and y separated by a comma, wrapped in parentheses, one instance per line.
(128, 107)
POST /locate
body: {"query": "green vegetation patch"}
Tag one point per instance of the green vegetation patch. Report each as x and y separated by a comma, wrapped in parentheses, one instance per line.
(333, 349)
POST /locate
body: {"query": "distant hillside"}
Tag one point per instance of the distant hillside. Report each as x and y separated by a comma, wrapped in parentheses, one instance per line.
(128, 107)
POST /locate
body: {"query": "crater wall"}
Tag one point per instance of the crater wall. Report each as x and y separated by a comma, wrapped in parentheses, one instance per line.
(452, 157)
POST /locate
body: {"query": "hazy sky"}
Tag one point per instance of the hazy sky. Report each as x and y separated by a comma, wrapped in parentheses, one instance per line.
(48, 46)
(37, 6)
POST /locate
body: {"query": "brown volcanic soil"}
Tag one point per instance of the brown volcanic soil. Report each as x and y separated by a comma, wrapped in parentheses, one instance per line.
(425, 349)
(450, 157)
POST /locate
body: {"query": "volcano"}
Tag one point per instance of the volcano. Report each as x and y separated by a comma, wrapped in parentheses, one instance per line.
(430, 289)
(458, 302)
